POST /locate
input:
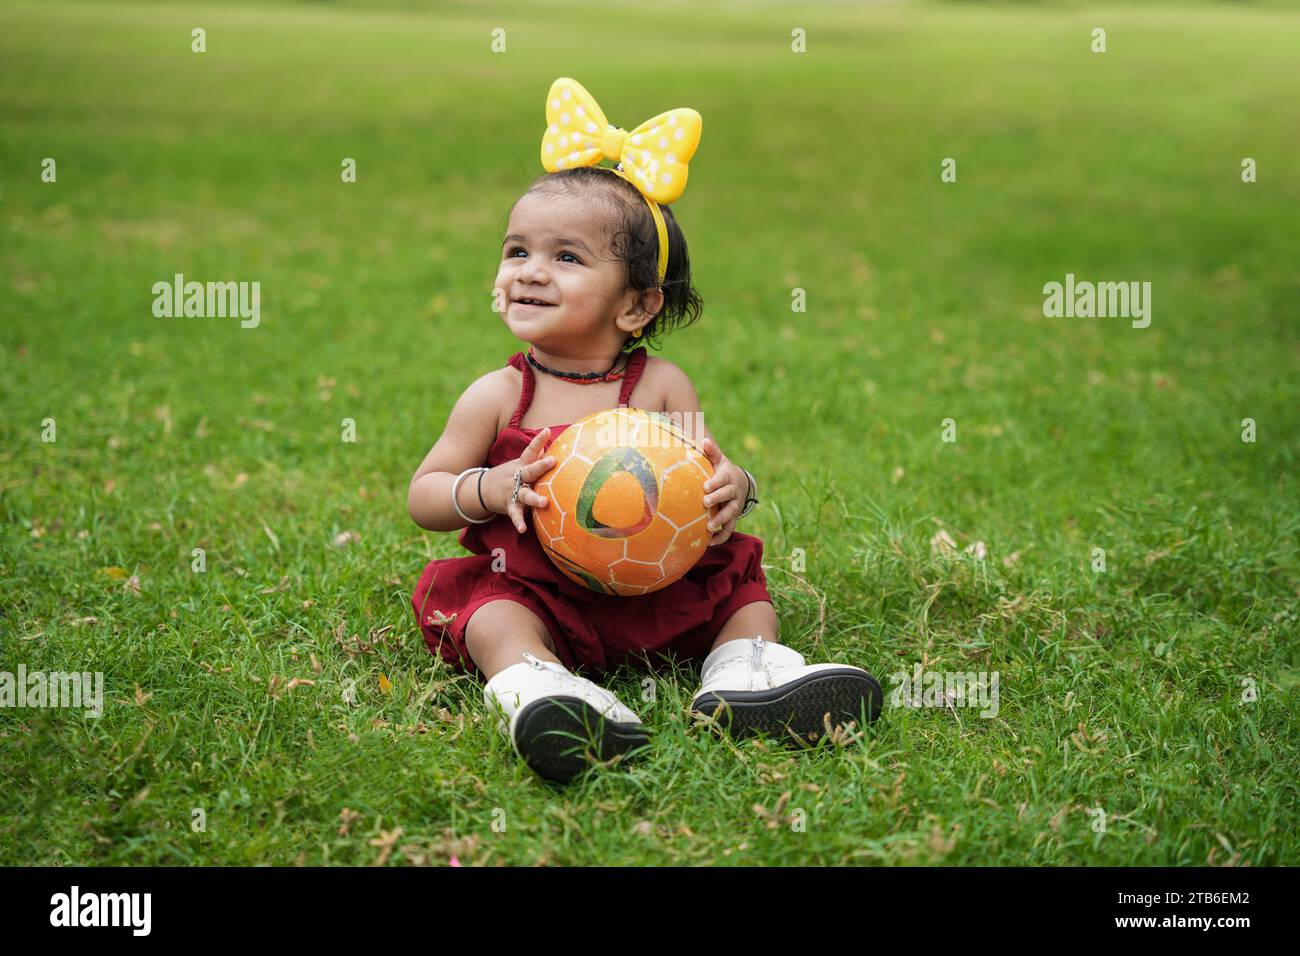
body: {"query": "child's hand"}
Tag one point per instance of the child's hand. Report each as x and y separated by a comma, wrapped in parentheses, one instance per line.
(503, 481)
(726, 489)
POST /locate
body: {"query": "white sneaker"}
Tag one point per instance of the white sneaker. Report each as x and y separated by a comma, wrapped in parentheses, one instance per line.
(559, 722)
(769, 689)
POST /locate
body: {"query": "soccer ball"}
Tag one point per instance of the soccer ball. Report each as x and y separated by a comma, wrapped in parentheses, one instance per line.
(625, 507)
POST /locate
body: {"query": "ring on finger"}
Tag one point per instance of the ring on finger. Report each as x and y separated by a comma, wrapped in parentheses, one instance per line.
(519, 479)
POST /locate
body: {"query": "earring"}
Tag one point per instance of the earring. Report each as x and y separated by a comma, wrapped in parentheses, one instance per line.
(636, 334)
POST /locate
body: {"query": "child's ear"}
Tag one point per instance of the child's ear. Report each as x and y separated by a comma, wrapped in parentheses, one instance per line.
(641, 310)
(652, 301)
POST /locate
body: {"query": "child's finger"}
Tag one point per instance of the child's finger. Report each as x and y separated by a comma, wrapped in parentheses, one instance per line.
(712, 450)
(532, 456)
(722, 516)
(724, 493)
(538, 468)
(532, 449)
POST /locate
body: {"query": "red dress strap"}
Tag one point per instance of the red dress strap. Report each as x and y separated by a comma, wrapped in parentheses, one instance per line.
(520, 361)
(635, 366)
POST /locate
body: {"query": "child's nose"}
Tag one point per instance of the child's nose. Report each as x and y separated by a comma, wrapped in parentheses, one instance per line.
(534, 272)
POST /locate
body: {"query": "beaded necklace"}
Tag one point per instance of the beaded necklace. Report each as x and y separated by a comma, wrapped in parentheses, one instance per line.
(579, 378)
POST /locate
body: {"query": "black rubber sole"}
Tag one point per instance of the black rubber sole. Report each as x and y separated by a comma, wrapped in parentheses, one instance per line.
(560, 737)
(796, 712)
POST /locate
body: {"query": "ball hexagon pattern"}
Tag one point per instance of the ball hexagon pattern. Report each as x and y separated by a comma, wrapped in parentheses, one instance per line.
(625, 507)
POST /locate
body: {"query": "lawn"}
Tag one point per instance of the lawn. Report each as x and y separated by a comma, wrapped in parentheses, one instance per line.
(1121, 558)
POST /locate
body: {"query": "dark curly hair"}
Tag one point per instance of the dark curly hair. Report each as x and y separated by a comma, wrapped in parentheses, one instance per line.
(635, 242)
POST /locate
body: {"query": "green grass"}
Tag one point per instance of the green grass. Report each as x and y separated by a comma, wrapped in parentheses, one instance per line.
(1119, 690)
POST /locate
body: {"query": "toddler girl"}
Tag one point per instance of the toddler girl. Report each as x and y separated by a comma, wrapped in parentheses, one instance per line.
(592, 266)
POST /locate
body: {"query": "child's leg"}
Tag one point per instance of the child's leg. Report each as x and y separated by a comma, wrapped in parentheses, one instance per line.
(752, 619)
(499, 633)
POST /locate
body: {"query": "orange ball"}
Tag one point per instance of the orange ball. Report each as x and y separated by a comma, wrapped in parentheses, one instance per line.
(625, 507)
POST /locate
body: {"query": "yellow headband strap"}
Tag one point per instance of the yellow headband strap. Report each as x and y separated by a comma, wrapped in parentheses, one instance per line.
(659, 228)
(663, 237)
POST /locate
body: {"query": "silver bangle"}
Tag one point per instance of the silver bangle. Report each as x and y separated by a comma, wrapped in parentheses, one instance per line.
(455, 487)
(751, 495)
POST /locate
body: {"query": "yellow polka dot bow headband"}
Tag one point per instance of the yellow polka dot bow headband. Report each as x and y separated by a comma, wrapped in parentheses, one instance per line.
(652, 157)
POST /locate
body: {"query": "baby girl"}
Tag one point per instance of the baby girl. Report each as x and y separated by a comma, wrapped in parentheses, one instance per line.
(592, 266)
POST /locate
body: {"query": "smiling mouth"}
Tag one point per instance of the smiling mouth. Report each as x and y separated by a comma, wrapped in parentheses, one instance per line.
(535, 302)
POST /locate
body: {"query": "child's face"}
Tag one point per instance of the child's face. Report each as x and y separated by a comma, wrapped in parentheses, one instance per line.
(556, 252)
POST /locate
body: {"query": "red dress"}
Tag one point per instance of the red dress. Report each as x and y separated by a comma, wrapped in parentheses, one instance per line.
(602, 631)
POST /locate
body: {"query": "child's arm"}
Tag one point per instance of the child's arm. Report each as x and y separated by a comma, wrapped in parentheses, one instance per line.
(730, 483)
(464, 443)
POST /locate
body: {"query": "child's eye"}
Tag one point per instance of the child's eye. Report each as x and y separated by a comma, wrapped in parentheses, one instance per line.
(512, 252)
